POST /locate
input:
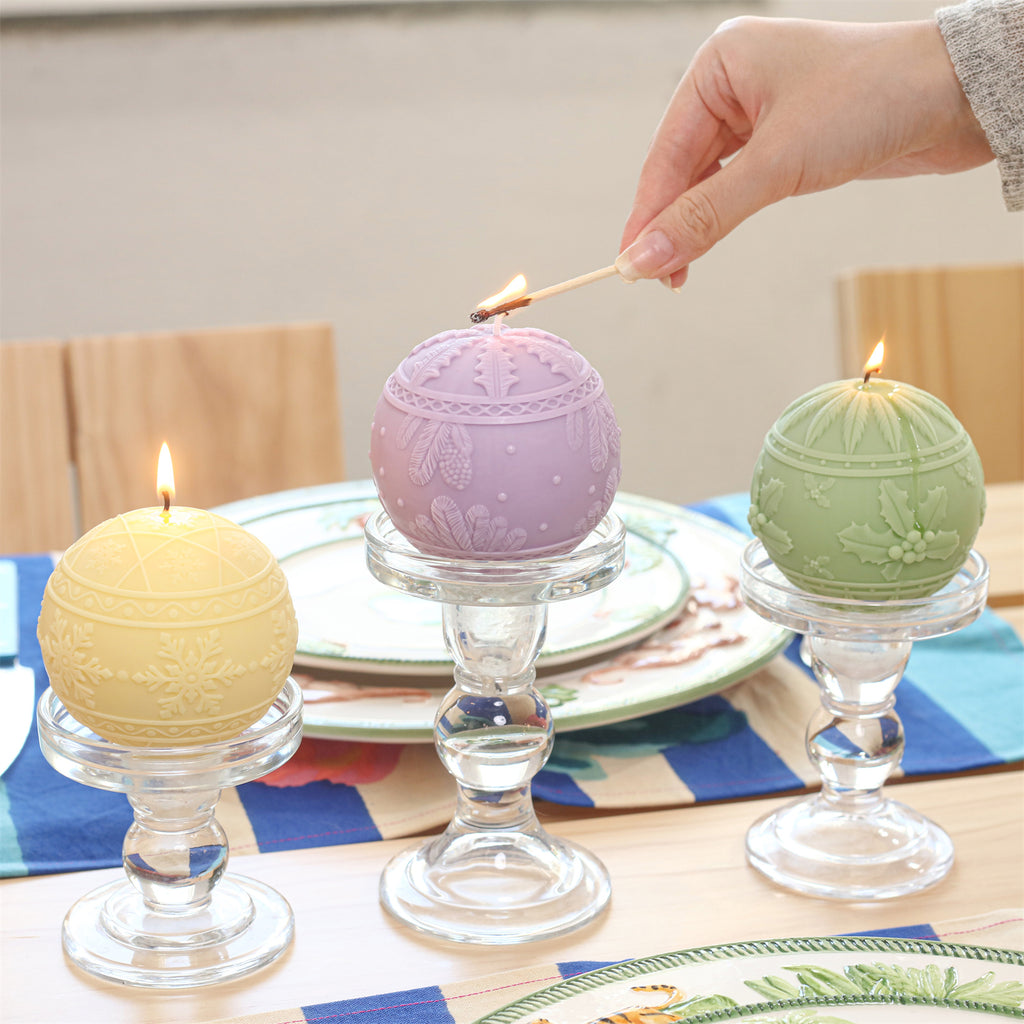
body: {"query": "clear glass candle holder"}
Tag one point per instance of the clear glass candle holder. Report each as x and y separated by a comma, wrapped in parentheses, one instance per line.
(849, 841)
(495, 875)
(179, 918)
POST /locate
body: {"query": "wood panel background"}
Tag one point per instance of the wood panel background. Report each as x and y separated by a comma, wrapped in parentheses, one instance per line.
(957, 332)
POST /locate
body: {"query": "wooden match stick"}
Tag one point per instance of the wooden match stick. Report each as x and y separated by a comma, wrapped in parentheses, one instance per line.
(484, 313)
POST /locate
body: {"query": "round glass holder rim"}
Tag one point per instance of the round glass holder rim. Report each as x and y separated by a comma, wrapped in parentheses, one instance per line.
(767, 592)
(74, 750)
(485, 581)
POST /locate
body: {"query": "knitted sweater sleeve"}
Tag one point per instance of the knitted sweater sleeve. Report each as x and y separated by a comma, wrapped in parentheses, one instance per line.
(985, 40)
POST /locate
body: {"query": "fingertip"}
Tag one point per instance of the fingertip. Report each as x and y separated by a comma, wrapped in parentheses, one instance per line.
(678, 279)
(651, 255)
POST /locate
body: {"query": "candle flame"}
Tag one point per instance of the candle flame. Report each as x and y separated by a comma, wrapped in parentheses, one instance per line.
(874, 363)
(165, 475)
(515, 288)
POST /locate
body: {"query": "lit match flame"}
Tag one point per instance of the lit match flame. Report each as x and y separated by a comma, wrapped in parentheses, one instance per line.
(515, 288)
(874, 363)
(165, 476)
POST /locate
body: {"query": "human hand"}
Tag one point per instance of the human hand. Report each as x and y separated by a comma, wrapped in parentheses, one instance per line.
(800, 106)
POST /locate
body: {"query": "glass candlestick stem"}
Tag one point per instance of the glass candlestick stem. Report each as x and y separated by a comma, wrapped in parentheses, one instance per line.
(850, 841)
(495, 875)
(179, 918)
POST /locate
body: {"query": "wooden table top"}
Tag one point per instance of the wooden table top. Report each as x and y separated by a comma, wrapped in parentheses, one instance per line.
(679, 880)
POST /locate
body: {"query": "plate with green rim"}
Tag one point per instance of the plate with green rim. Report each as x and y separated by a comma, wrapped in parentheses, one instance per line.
(844, 980)
(372, 663)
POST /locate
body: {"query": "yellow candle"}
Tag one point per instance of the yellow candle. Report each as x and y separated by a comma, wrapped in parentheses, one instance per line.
(167, 626)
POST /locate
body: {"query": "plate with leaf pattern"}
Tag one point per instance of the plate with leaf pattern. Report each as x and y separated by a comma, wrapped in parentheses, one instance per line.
(852, 980)
(669, 630)
(348, 619)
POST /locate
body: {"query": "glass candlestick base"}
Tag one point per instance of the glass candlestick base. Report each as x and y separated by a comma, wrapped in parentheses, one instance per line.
(177, 919)
(849, 841)
(494, 876)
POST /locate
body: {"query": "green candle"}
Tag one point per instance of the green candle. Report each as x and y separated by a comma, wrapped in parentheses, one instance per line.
(867, 489)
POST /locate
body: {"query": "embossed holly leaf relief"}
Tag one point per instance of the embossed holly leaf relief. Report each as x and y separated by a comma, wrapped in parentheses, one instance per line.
(495, 369)
(912, 536)
(816, 489)
(430, 363)
(552, 354)
(769, 498)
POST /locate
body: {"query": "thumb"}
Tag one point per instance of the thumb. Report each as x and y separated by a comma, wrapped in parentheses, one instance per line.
(702, 216)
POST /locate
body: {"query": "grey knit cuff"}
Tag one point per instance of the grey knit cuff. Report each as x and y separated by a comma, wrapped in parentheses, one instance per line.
(985, 40)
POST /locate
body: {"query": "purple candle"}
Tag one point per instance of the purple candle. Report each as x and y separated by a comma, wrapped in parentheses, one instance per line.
(495, 442)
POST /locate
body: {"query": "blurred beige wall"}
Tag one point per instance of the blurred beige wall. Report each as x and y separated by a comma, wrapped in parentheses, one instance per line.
(387, 168)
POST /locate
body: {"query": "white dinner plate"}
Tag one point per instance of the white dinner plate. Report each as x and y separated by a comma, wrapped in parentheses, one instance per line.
(790, 981)
(348, 619)
(654, 656)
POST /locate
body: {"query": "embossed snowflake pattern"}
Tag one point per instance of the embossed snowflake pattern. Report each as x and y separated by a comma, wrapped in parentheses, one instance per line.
(180, 565)
(476, 531)
(278, 658)
(913, 534)
(241, 551)
(816, 489)
(65, 649)
(769, 497)
(105, 557)
(192, 675)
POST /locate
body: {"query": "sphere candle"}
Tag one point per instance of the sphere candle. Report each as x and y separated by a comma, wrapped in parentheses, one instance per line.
(167, 626)
(867, 489)
(495, 443)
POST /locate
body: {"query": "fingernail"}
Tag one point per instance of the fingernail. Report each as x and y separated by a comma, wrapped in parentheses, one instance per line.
(646, 256)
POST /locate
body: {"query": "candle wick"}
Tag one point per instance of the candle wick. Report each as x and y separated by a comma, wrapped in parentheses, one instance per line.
(167, 500)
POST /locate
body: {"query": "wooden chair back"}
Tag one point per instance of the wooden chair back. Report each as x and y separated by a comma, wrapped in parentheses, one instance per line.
(957, 332)
(37, 509)
(244, 410)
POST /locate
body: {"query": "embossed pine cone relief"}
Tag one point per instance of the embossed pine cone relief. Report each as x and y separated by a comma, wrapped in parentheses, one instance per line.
(439, 446)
